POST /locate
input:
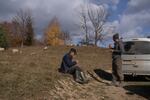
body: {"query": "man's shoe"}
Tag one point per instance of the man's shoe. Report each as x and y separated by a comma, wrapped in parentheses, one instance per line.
(79, 81)
(86, 81)
(121, 84)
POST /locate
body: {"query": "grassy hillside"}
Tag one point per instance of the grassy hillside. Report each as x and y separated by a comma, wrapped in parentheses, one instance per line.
(33, 73)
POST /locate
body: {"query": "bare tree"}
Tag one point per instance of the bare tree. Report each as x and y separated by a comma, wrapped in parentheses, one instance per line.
(84, 22)
(65, 36)
(21, 21)
(97, 17)
(29, 31)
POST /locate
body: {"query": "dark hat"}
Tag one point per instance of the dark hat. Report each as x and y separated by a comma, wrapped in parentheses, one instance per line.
(116, 36)
(73, 50)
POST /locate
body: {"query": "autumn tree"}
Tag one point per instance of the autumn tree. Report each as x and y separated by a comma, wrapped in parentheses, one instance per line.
(53, 33)
(10, 34)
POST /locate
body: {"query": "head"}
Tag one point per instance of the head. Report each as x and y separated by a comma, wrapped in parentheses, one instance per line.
(73, 52)
(116, 37)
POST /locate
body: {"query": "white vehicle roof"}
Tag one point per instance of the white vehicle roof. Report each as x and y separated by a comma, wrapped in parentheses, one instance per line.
(136, 39)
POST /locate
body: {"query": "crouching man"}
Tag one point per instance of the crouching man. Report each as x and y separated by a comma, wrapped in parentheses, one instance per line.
(69, 65)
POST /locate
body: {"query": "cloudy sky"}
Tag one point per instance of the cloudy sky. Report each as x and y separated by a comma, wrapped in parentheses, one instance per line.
(131, 18)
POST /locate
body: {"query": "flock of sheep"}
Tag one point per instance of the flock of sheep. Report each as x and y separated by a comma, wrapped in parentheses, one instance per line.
(17, 50)
(13, 50)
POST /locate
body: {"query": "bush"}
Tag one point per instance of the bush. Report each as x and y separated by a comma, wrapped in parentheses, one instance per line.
(3, 40)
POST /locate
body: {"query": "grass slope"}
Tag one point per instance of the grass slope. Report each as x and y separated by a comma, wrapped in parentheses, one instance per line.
(33, 73)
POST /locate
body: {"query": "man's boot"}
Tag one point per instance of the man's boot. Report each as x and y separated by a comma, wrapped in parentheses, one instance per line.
(84, 78)
(114, 83)
(121, 83)
(78, 77)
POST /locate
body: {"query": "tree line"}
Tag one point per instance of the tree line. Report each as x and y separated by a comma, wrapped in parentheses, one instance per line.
(20, 30)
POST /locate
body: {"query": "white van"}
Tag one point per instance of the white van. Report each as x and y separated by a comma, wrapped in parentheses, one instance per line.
(136, 57)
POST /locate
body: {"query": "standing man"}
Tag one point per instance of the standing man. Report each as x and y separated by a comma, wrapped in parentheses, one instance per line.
(70, 65)
(116, 61)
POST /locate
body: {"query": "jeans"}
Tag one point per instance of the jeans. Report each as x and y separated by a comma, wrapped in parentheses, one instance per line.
(73, 69)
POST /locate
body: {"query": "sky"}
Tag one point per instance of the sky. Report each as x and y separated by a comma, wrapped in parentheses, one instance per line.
(130, 18)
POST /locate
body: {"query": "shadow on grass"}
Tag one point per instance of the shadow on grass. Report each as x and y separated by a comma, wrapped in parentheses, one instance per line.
(103, 74)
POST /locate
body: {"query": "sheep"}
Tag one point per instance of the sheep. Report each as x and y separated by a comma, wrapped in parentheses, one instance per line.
(45, 48)
(71, 44)
(2, 49)
(15, 51)
(33, 53)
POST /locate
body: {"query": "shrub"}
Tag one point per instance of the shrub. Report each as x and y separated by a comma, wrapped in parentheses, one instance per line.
(3, 40)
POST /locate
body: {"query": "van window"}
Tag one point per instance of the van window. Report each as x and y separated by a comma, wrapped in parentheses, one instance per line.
(137, 47)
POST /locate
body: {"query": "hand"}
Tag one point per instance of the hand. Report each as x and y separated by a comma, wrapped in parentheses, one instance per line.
(111, 50)
(77, 61)
(110, 46)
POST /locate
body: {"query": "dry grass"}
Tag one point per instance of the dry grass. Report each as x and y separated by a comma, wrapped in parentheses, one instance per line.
(32, 74)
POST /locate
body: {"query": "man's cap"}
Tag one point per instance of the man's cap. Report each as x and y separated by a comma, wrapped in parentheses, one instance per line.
(116, 36)
(73, 50)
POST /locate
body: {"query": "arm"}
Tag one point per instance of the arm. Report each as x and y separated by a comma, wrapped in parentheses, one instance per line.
(69, 61)
(120, 48)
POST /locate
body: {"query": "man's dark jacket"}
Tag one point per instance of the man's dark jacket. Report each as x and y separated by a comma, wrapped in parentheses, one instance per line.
(67, 63)
(118, 49)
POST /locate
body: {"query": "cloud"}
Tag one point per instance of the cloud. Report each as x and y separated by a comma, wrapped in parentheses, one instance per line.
(135, 6)
(111, 28)
(134, 19)
(45, 10)
(134, 33)
(110, 4)
(131, 22)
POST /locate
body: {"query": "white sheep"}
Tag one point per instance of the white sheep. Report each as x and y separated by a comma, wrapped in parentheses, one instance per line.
(45, 48)
(15, 50)
(2, 49)
(33, 53)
